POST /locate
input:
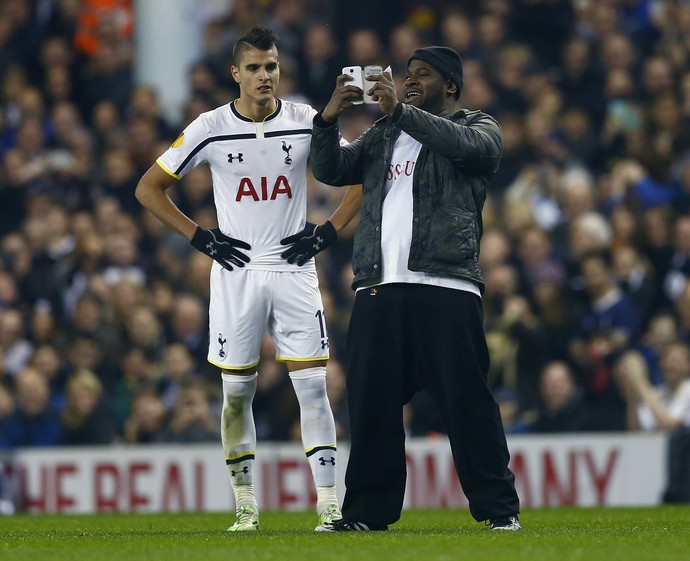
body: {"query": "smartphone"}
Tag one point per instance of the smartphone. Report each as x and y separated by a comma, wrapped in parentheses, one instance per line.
(368, 70)
(357, 79)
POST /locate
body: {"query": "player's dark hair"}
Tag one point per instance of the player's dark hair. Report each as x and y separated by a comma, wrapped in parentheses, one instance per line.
(256, 37)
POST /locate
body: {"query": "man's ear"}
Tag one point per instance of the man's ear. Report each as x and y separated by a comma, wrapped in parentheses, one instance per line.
(452, 88)
(235, 72)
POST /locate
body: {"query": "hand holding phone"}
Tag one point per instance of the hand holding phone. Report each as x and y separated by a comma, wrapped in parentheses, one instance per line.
(355, 72)
(343, 97)
(370, 70)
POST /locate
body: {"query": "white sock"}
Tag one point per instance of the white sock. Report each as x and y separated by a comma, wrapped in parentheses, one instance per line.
(317, 424)
(325, 496)
(238, 434)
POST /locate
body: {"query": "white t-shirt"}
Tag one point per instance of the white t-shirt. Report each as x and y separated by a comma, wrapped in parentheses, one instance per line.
(396, 222)
(678, 406)
(259, 173)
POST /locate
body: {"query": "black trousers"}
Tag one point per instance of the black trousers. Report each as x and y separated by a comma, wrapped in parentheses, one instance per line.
(678, 471)
(404, 337)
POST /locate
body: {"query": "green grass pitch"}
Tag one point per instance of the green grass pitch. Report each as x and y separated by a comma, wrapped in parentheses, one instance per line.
(574, 534)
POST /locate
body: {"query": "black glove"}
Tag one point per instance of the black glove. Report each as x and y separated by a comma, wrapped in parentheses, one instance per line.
(308, 242)
(220, 247)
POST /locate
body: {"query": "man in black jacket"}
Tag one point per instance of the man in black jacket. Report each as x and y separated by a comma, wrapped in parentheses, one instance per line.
(417, 317)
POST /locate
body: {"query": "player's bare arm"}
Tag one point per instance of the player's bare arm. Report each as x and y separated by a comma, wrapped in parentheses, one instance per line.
(314, 238)
(348, 208)
(151, 192)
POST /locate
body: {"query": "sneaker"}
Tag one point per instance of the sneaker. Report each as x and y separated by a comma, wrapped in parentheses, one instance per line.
(328, 515)
(343, 525)
(510, 523)
(247, 519)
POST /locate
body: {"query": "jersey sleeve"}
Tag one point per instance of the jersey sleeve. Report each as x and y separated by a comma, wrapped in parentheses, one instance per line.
(187, 152)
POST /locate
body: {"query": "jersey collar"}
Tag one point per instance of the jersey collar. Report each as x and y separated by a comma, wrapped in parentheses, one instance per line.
(246, 119)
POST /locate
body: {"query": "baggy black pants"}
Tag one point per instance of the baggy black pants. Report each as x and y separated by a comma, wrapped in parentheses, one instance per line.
(404, 337)
(678, 471)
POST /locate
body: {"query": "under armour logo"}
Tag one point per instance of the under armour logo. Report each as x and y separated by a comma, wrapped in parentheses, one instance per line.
(211, 249)
(324, 461)
(245, 470)
(221, 354)
(231, 157)
(286, 149)
(317, 244)
(324, 343)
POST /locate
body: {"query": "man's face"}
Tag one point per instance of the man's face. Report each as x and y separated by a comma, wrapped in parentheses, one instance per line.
(258, 74)
(424, 87)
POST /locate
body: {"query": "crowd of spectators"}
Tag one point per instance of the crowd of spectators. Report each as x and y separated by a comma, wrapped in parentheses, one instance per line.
(586, 248)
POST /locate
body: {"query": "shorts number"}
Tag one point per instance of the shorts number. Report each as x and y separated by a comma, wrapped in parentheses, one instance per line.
(322, 322)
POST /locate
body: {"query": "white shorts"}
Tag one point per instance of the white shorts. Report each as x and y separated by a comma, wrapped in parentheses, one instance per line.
(246, 304)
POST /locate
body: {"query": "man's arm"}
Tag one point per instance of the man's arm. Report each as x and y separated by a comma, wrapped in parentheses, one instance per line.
(641, 390)
(662, 416)
(476, 146)
(332, 163)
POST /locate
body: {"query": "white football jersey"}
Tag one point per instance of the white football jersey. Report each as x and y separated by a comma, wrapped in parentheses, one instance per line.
(259, 172)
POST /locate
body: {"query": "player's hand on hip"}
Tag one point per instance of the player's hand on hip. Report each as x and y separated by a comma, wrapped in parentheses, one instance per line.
(220, 247)
(307, 243)
(341, 99)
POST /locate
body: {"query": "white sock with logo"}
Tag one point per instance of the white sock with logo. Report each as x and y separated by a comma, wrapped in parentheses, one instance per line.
(318, 431)
(238, 434)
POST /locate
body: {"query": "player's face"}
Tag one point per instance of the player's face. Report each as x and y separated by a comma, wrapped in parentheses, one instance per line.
(424, 87)
(258, 74)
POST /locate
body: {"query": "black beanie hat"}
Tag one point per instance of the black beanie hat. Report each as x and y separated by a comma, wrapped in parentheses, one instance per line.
(445, 60)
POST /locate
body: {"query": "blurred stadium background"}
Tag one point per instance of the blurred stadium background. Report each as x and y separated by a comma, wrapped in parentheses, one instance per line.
(586, 249)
